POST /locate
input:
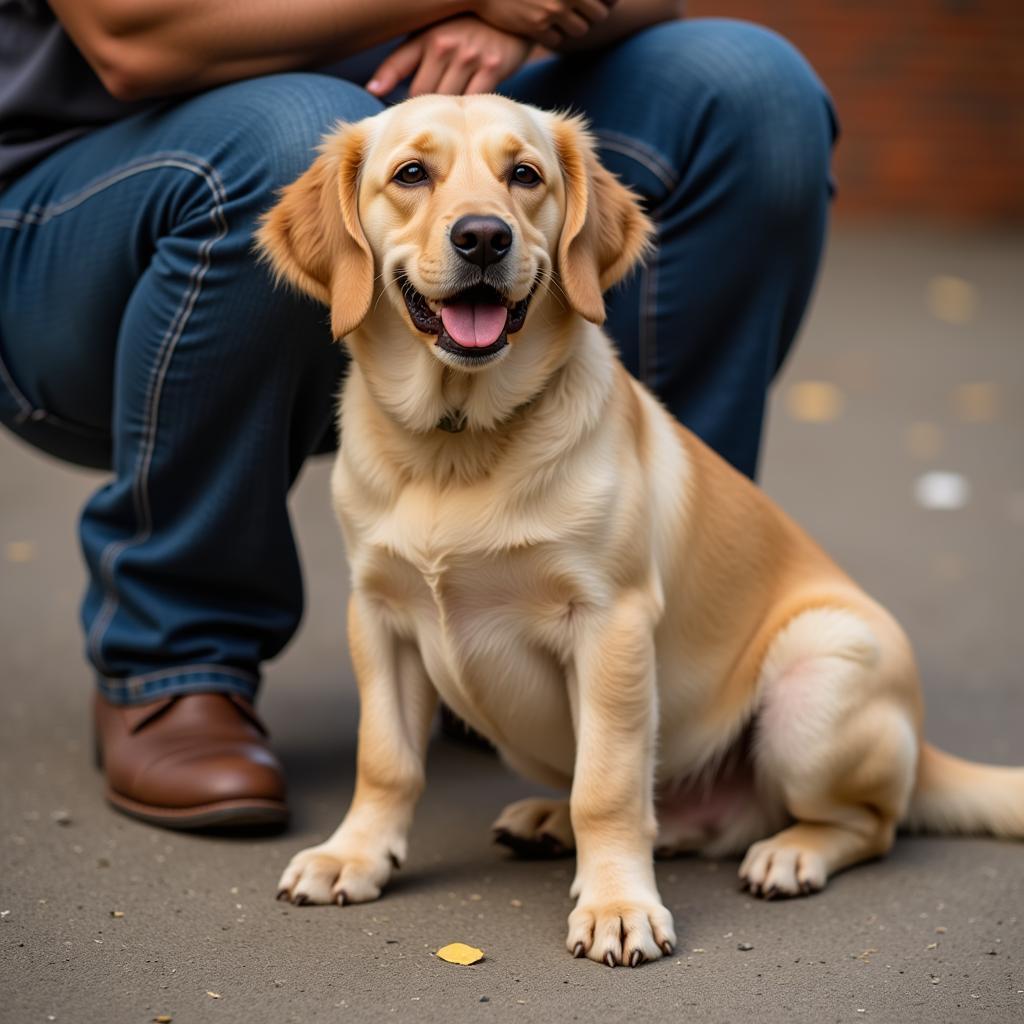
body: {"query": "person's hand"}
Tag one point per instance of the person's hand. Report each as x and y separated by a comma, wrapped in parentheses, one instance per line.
(548, 22)
(460, 56)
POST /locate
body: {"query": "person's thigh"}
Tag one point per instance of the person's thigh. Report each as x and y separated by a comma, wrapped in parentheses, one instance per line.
(134, 202)
(725, 131)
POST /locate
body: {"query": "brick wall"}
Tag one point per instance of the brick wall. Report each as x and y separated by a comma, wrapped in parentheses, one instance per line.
(930, 94)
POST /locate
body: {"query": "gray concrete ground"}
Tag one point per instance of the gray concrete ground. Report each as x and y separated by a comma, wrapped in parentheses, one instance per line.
(874, 398)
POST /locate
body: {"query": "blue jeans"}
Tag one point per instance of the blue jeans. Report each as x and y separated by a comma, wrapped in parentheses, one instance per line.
(138, 334)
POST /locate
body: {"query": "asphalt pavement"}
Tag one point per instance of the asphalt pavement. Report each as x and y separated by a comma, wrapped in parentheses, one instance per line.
(896, 437)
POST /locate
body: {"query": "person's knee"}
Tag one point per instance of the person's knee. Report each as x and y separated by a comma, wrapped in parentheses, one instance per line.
(272, 125)
(763, 107)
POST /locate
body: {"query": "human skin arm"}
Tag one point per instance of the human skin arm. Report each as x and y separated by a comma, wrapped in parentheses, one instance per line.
(145, 48)
(625, 18)
(591, 23)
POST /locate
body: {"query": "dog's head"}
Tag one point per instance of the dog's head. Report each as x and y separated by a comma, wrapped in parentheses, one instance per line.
(467, 213)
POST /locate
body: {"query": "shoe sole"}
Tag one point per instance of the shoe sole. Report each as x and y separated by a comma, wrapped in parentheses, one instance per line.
(244, 813)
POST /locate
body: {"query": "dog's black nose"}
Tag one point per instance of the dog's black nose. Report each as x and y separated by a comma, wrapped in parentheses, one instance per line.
(481, 240)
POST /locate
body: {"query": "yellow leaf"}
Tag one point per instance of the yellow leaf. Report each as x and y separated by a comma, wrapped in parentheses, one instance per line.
(460, 953)
(814, 401)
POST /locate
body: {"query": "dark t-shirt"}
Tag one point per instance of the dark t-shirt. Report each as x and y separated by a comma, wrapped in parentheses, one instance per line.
(49, 94)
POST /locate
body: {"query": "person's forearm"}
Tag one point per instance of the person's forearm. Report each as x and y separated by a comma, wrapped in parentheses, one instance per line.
(625, 18)
(143, 48)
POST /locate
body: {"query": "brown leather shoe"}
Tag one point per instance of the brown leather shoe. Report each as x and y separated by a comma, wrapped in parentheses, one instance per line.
(195, 761)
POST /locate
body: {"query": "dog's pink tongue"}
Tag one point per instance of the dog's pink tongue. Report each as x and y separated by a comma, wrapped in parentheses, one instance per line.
(474, 325)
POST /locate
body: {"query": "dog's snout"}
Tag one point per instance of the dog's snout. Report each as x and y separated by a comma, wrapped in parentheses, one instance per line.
(481, 240)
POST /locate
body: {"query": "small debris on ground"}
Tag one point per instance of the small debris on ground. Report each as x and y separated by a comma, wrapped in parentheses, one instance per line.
(460, 953)
(163, 1018)
(213, 995)
(117, 913)
(515, 903)
(61, 817)
(744, 947)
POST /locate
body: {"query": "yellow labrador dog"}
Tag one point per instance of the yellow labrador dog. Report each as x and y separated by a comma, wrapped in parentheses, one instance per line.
(534, 538)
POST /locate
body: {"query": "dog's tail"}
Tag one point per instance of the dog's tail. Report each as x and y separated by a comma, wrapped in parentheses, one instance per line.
(957, 796)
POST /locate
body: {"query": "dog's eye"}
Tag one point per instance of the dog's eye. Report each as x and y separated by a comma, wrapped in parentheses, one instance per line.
(412, 173)
(524, 174)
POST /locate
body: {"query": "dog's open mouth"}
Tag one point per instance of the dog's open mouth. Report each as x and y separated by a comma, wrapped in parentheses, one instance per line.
(474, 323)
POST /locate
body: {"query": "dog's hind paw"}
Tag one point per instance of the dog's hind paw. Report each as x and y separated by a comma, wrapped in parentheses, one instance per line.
(536, 827)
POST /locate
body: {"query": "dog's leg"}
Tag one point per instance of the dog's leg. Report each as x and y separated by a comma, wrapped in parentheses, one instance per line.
(619, 917)
(397, 703)
(836, 739)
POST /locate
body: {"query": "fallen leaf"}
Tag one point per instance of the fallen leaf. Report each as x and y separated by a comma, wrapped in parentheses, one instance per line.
(814, 401)
(923, 439)
(460, 953)
(20, 551)
(976, 402)
(952, 299)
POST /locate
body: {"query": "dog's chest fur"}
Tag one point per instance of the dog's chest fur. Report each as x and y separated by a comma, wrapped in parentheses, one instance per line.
(494, 621)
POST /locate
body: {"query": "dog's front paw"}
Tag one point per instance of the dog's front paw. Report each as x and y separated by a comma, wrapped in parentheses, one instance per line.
(621, 932)
(333, 874)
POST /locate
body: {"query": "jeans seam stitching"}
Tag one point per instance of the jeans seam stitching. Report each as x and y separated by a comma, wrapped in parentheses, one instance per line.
(165, 351)
(25, 408)
(631, 148)
(38, 215)
(184, 670)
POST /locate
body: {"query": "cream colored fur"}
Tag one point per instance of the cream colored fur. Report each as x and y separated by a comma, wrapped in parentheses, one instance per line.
(577, 576)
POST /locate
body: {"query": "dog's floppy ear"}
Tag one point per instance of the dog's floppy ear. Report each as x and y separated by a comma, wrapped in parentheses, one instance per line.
(605, 233)
(312, 237)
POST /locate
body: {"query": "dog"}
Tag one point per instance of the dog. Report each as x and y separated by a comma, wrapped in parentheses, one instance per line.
(533, 538)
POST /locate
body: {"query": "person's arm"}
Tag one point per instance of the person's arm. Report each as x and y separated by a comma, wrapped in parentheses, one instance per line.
(143, 48)
(625, 18)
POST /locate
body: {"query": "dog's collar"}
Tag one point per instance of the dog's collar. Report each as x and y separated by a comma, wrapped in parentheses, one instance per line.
(454, 422)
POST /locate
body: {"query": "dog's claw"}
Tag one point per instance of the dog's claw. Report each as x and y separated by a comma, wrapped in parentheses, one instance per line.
(342, 898)
(666, 948)
(636, 957)
(609, 958)
(299, 899)
(577, 950)
(282, 894)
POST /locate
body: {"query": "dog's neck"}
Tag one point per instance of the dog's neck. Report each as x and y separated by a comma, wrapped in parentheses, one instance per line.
(550, 389)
